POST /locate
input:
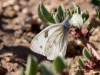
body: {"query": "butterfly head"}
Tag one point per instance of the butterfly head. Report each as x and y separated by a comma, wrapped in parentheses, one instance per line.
(65, 23)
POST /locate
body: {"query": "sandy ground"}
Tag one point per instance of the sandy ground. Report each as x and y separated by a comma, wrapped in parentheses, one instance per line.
(19, 23)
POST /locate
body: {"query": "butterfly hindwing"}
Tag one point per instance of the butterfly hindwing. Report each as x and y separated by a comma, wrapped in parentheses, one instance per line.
(57, 44)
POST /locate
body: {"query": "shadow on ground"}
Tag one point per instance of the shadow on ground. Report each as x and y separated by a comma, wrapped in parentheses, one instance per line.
(21, 52)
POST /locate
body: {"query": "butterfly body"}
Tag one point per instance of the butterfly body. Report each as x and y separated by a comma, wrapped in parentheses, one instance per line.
(52, 41)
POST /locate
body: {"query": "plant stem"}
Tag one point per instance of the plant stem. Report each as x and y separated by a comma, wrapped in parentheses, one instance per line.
(88, 45)
(78, 34)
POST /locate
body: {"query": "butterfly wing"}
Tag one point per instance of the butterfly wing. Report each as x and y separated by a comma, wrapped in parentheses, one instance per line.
(39, 41)
(56, 44)
(51, 42)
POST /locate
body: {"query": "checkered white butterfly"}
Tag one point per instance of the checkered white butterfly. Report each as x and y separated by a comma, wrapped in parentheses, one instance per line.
(52, 41)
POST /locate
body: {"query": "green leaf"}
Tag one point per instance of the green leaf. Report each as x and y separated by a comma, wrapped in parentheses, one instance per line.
(76, 20)
(57, 18)
(32, 66)
(41, 15)
(81, 63)
(89, 27)
(75, 5)
(47, 68)
(98, 13)
(53, 13)
(85, 15)
(73, 73)
(73, 12)
(86, 53)
(60, 64)
(61, 10)
(90, 51)
(68, 64)
(22, 71)
(76, 8)
(46, 14)
(69, 12)
(7, 74)
(66, 14)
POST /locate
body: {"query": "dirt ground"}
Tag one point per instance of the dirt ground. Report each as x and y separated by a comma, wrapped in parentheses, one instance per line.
(19, 23)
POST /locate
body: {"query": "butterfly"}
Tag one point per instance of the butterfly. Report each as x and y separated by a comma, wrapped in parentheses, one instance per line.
(52, 41)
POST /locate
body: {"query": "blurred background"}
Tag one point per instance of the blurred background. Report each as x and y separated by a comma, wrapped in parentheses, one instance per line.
(19, 23)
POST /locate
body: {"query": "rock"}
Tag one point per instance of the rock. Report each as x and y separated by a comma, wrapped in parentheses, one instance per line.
(9, 12)
(24, 41)
(1, 45)
(36, 19)
(17, 42)
(28, 27)
(96, 31)
(12, 14)
(9, 57)
(94, 38)
(8, 3)
(25, 11)
(30, 34)
(16, 7)
(42, 26)
(18, 33)
(93, 72)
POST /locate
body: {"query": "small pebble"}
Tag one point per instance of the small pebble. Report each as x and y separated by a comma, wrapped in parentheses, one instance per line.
(28, 27)
(9, 57)
(16, 7)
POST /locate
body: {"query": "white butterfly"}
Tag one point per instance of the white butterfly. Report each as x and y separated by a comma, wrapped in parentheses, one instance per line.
(52, 41)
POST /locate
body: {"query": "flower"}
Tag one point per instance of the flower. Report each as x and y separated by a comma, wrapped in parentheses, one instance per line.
(76, 20)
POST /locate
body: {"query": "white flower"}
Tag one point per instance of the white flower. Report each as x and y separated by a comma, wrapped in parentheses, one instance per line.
(76, 20)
